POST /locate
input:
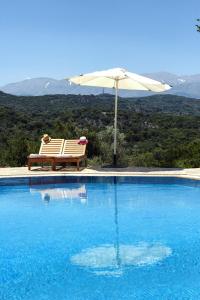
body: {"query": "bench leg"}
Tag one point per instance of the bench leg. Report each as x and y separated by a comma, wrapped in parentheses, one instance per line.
(53, 166)
(78, 163)
(29, 165)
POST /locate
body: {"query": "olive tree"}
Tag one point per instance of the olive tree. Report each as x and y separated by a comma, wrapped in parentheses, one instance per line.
(198, 25)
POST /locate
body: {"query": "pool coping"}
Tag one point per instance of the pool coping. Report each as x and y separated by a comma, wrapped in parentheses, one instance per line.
(22, 172)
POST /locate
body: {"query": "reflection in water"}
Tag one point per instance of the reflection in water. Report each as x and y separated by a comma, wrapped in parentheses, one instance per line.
(111, 260)
(102, 260)
(64, 193)
(118, 260)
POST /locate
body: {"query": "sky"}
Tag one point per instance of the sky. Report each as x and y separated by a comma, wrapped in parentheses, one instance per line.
(62, 38)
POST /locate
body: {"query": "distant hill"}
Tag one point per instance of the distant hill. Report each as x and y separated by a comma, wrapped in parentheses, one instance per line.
(48, 86)
(188, 86)
(170, 104)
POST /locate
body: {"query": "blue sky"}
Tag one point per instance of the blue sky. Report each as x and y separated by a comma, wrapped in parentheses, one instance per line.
(63, 38)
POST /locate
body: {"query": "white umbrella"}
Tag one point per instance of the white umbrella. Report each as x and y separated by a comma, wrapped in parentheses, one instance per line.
(118, 78)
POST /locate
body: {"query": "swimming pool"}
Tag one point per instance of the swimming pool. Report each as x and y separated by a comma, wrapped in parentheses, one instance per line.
(99, 238)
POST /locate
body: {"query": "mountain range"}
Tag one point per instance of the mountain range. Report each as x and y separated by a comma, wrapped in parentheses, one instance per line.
(187, 85)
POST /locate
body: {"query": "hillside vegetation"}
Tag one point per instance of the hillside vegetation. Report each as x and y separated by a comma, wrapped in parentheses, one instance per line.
(158, 131)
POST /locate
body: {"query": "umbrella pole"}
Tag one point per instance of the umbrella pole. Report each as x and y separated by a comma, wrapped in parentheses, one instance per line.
(115, 126)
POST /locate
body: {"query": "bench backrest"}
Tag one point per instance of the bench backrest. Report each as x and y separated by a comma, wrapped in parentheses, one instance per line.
(72, 147)
(54, 147)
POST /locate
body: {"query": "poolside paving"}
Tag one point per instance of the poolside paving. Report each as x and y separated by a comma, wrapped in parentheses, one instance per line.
(131, 171)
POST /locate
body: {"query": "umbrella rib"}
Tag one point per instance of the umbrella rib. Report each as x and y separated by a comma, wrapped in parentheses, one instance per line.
(97, 77)
(142, 84)
(151, 89)
(137, 82)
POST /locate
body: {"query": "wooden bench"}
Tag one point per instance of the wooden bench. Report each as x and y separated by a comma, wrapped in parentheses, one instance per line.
(47, 152)
(72, 152)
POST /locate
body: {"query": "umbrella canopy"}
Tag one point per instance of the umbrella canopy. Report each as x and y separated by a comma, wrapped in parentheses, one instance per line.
(118, 78)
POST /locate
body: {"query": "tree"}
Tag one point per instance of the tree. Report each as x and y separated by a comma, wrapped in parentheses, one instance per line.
(17, 150)
(198, 26)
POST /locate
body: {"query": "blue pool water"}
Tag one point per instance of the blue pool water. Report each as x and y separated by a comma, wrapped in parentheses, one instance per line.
(99, 238)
